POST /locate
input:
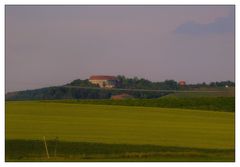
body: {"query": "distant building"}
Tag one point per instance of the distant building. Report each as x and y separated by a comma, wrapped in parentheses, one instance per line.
(103, 81)
(181, 83)
(121, 96)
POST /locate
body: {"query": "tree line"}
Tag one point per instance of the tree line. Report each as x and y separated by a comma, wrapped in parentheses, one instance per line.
(141, 83)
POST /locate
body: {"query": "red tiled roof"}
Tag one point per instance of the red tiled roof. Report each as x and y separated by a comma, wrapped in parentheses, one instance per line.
(121, 96)
(102, 77)
(182, 82)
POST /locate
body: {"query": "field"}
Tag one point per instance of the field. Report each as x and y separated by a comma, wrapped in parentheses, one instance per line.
(226, 104)
(91, 132)
(206, 92)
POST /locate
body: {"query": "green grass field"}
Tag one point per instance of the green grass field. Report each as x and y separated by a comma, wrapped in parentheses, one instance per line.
(195, 135)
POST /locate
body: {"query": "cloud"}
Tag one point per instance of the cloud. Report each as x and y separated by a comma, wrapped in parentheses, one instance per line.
(219, 26)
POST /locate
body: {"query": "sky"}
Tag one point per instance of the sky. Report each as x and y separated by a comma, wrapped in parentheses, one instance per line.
(53, 45)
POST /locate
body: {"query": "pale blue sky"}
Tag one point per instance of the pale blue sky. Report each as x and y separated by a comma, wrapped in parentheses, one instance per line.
(53, 45)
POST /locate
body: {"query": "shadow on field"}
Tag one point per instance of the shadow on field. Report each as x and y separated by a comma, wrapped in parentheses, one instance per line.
(60, 151)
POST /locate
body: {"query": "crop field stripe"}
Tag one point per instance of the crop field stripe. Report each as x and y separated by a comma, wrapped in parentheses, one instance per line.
(198, 103)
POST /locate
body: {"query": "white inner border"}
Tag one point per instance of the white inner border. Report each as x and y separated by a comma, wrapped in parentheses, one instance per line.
(116, 2)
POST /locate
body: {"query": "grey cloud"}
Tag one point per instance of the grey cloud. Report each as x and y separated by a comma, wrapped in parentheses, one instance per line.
(220, 25)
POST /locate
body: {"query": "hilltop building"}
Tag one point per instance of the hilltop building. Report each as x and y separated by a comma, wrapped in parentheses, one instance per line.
(103, 81)
(181, 83)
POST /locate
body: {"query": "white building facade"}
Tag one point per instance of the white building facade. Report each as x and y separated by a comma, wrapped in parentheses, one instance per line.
(103, 81)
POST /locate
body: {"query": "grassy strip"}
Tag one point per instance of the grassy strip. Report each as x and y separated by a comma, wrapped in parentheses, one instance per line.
(200, 103)
(33, 150)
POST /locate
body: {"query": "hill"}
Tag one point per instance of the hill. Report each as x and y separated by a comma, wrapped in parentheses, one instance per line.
(83, 89)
